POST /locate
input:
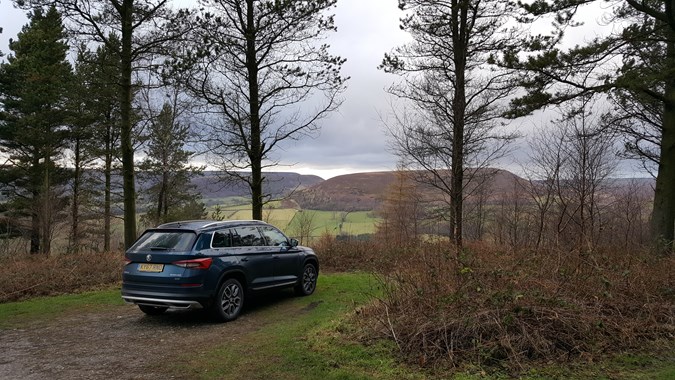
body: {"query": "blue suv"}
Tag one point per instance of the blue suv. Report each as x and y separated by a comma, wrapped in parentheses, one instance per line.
(214, 265)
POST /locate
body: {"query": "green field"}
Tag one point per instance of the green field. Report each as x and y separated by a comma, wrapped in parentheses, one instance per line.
(323, 222)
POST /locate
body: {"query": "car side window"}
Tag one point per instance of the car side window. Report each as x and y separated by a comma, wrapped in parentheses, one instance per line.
(273, 236)
(203, 242)
(222, 239)
(246, 237)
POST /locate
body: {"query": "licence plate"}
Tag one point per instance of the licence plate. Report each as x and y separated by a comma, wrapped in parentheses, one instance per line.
(150, 268)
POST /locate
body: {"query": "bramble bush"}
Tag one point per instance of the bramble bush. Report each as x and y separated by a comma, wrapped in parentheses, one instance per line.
(488, 306)
(23, 276)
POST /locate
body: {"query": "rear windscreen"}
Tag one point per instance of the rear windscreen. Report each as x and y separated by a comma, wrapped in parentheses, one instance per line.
(165, 241)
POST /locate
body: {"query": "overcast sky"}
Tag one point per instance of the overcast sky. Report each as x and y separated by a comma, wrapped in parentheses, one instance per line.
(353, 139)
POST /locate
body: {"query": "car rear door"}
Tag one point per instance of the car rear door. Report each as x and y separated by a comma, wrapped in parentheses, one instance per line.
(286, 258)
(248, 247)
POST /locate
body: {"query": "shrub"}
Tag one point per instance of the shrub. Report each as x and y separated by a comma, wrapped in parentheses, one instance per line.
(490, 307)
(24, 276)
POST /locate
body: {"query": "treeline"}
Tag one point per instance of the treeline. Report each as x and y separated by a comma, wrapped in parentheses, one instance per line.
(517, 213)
(569, 198)
(472, 66)
(96, 94)
(60, 136)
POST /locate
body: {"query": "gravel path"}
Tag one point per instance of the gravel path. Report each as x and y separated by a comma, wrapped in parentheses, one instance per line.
(122, 342)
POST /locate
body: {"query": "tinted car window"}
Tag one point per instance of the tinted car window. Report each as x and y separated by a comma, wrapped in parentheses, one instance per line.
(246, 237)
(221, 239)
(203, 242)
(165, 241)
(273, 236)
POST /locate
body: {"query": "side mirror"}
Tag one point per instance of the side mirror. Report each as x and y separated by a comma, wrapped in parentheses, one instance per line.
(294, 243)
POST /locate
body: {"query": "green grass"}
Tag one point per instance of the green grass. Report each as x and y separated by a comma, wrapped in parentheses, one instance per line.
(325, 222)
(15, 314)
(657, 365)
(307, 341)
(328, 222)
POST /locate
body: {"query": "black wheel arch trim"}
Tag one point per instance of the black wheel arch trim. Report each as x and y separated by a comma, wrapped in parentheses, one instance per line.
(238, 274)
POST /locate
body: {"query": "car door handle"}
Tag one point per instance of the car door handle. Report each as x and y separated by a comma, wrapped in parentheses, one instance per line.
(244, 259)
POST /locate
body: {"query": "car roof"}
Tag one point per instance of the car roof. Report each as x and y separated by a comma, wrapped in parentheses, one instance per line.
(199, 225)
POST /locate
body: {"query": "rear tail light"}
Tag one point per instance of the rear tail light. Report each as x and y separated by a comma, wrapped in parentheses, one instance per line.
(195, 264)
(126, 261)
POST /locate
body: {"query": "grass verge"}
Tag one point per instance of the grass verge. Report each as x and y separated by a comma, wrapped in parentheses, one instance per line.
(19, 314)
(309, 339)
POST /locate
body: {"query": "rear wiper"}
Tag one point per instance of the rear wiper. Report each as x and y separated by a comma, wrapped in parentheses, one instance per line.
(159, 248)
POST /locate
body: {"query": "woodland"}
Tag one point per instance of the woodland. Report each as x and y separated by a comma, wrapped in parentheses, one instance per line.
(101, 98)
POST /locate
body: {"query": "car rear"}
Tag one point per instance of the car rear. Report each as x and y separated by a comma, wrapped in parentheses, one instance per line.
(164, 270)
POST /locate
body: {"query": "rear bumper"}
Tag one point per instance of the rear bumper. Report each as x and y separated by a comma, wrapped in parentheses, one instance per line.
(165, 296)
(161, 302)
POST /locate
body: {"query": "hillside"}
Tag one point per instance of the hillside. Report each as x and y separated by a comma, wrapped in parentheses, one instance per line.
(365, 191)
(212, 185)
(349, 192)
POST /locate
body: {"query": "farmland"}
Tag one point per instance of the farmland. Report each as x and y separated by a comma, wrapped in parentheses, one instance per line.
(323, 222)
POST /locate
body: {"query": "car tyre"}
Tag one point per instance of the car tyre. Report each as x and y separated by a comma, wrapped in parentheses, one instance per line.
(152, 310)
(229, 300)
(307, 282)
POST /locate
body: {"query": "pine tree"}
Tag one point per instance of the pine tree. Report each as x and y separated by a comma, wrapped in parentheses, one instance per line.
(33, 88)
(453, 98)
(96, 128)
(171, 195)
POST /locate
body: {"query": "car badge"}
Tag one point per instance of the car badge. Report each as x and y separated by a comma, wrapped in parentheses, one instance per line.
(148, 258)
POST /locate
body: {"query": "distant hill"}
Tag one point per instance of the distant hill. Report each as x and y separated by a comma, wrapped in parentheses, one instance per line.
(212, 184)
(365, 191)
(349, 192)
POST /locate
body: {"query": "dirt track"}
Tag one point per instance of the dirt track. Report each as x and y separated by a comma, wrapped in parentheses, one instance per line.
(123, 343)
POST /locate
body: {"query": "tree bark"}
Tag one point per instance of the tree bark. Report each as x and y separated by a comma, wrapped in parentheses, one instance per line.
(255, 153)
(75, 227)
(663, 215)
(128, 182)
(459, 19)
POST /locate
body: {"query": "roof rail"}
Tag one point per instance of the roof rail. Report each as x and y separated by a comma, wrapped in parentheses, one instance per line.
(214, 223)
(233, 222)
(180, 223)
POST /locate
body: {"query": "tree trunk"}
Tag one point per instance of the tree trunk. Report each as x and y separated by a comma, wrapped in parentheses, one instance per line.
(459, 19)
(46, 210)
(107, 187)
(127, 126)
(75, 227)
(162, 207)
(663, 215)
(255, 152)
(106, 196)
(35, 224)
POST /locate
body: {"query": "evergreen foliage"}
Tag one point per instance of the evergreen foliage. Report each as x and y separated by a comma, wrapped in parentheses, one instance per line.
(34, 85)
(95, 139)
(634, 63)
(170, 195)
